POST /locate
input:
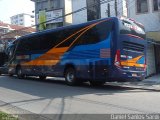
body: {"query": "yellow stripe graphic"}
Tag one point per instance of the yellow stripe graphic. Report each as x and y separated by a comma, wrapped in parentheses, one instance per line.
(132, 62)
(52, 57)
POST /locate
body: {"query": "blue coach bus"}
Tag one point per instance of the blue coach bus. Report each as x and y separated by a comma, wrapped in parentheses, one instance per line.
(96, 51)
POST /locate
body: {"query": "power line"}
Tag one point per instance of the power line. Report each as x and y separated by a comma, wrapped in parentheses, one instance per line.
(79, 10)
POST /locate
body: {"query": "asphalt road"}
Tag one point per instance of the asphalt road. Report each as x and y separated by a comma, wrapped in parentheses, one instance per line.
(55, 97)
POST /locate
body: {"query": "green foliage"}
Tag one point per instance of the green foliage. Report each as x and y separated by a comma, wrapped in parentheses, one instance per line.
(4, 116)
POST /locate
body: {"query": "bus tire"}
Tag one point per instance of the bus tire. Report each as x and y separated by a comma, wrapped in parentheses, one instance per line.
(70, 76)
(10, 75)
(97, 83)
(19, 73)
(42, 77)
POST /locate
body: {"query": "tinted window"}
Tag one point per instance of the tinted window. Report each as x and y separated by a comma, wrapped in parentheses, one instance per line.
(68, 42)
(96, 34)
(67, 33)
(48, 40)
(39, 42)
(21, 45)
(45, 41)
(127, 27)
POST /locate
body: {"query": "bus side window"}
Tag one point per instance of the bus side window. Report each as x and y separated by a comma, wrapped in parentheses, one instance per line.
(96, 34)
(67, 33)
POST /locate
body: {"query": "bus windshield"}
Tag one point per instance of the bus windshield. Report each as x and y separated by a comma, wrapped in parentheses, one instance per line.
(132, 28)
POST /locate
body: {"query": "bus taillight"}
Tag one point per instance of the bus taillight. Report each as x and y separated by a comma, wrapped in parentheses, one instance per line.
(145, 65)
(117, 61)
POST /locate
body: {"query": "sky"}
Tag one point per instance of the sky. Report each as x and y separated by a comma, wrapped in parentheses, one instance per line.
(9, 8)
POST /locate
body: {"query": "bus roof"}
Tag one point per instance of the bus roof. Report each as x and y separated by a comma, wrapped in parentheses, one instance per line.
(65, 27)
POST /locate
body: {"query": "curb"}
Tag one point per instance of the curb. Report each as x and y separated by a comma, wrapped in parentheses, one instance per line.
(140, 85)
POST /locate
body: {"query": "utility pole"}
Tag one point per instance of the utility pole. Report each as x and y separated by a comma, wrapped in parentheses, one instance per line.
(116, 12)
(109, 11)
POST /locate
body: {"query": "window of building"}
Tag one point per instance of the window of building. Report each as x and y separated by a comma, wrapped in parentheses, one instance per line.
(41, 5)
(55, 4)
(32, 16)
(93, 9)
(156, 5)
(142, 6)
(16, 17)
(21, 23)
(21, 15)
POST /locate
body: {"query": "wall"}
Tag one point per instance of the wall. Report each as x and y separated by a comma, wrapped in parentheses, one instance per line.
(67, 10)
(150, 20)
(79, 17)
(28, 21)
(154, 35)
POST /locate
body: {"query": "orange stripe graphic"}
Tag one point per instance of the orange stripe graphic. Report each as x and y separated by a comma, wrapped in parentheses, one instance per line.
(52, 57)
(132, 62)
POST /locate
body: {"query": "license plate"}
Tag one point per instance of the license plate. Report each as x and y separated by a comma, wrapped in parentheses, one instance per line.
(134, 75)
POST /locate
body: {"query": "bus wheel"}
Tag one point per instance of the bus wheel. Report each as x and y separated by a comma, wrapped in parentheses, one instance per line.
(141, 79)
(42, 77)
(19, 73)
(70, 76)
(97, 83)
(10, 75)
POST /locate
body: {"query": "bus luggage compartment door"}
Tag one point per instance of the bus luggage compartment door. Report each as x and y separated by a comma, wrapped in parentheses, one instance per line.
(99, 70)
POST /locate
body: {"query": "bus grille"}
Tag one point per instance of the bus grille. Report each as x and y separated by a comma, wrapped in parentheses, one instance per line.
(133, 46)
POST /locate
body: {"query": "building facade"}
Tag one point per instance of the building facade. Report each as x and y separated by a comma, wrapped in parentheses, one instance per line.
(9, 32)
(147, 12)
(76, 11)
(47, 10)
(96, 9)
(23, 19)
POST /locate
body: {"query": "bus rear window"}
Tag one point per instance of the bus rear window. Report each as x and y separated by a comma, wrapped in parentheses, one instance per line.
(132, 28)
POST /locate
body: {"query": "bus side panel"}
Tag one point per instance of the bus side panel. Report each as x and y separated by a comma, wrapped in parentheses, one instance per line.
(114, 46)
(91, 57)
(90, 61)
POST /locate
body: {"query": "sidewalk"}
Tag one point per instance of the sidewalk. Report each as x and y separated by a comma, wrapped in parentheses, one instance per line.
(151, 83)
(154, 79)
